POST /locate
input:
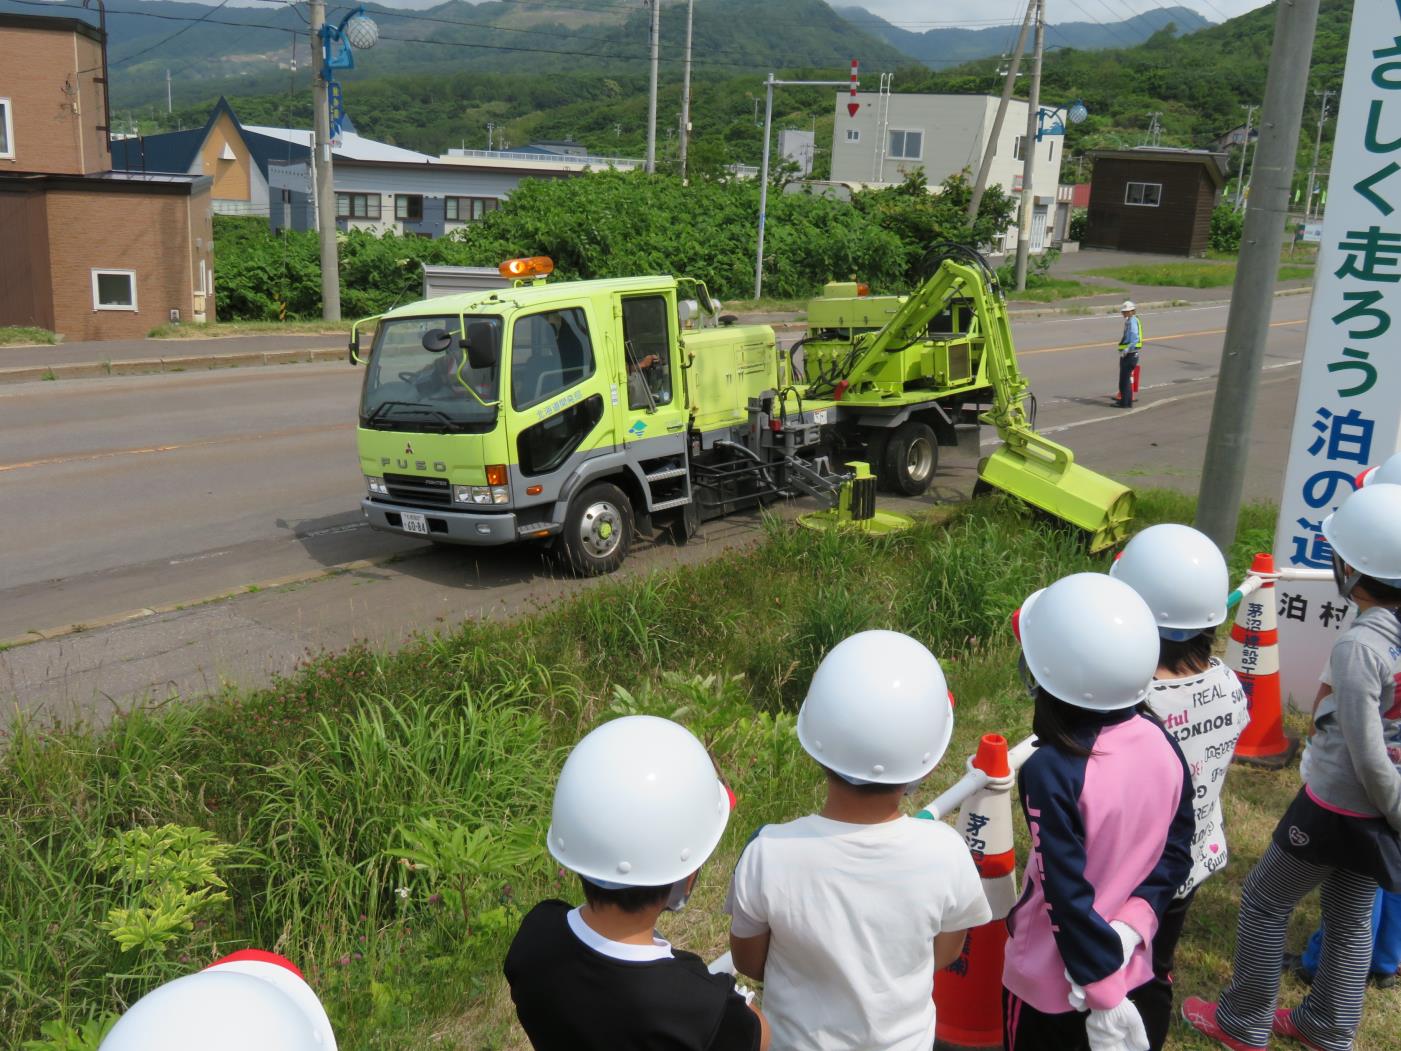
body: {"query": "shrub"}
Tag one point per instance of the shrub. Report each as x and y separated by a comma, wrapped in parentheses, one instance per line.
(1226, 226)
(1079, 220)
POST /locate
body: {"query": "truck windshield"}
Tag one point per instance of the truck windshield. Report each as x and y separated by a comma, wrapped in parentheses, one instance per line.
(409, 388)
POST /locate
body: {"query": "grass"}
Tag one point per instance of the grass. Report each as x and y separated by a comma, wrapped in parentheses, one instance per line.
(766, 305)
(1189, 274)
(216, 329)
(25, 335)
(386, 812)
(1050, 289)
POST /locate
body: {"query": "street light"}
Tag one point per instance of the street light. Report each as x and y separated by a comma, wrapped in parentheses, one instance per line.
(1075, 112)
(357, 30)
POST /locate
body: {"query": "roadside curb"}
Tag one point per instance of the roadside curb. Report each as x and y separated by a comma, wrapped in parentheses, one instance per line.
(1090, 310)
(145, 366)
(128, 616)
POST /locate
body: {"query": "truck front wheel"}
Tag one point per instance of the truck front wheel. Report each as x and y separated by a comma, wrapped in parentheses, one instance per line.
(598, 530)
(911, 457)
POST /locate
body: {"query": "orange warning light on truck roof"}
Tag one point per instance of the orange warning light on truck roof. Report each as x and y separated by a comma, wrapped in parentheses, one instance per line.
(531, 266)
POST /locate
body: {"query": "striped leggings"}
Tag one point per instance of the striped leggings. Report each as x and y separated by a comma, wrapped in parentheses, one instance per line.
(1330, 1013)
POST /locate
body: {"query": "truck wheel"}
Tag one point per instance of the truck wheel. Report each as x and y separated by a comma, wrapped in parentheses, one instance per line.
(911, 456)
(598, 530)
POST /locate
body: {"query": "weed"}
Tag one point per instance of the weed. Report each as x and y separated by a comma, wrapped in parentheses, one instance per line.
(48, 375)
(24, 335)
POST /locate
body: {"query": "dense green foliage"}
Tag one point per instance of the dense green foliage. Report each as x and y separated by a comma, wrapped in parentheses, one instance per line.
(380, 818)
(1226, 227)
(613, 224)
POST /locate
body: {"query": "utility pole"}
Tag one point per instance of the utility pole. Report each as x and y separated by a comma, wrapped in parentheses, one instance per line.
(490, 133)
(1007, 87)
(1033, 105)
(325, 183)
(1248, 325)
(686, 89)
(1154, 127)
(169, 105)
(1317, 145)
(1245, 148)
(652, 90)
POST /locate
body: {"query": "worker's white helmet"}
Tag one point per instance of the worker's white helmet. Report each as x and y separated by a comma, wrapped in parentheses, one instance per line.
(250, 1000)
(878, 710)
(1365, 532)
(1090, 641)
(638, 804)
(1182, 576)
(1128, 307)
(1388, 473)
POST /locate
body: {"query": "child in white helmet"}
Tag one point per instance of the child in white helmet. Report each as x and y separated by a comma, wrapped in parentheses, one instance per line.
(1343, 831)
(249, 999)
(1182, 577)
(1108, 800)
(846, 914)
(637, 810)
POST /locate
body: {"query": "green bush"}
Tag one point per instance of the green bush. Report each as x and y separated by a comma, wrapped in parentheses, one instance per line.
(1226, 226)
(1079, 221)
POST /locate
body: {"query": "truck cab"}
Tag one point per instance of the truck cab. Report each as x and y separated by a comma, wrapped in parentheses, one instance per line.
(557, 412)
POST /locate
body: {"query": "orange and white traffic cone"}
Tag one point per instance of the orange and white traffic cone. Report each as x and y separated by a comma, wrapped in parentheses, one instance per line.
(1253, 654)
(1136, 370)
(968, 993)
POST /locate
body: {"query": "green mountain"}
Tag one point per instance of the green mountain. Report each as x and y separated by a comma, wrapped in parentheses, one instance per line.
(940, 48)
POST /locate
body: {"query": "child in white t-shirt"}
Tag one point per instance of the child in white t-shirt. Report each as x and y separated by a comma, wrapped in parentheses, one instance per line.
(847, 913)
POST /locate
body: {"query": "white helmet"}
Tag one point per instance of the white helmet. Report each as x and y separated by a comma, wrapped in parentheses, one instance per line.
(1389, 473)
(1182, 576)
(1127, 307)
(1365, 532)
(877, 710)
(638, 804)
(248, 1000)
(1090, 641)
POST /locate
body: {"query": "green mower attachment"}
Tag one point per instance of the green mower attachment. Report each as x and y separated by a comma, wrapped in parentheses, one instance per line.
(856, 509)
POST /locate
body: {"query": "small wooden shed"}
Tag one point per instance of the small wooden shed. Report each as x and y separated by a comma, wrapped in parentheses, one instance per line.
(1152, 199)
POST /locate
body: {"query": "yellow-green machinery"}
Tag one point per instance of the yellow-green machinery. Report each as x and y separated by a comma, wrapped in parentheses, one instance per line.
(578, 414)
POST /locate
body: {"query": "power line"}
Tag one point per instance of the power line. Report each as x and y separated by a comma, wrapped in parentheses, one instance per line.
(159, 43)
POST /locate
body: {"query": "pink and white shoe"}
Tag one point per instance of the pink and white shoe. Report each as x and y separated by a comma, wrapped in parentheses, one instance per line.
(1201, 1015)
(1284, 1026)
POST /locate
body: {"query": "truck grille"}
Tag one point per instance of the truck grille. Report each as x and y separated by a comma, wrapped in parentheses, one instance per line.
(415, 491)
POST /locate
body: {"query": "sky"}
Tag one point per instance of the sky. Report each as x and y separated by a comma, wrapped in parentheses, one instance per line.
(917, 16)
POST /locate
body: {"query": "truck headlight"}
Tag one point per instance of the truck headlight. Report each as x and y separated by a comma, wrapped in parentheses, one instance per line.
(500, 494)
(462, 494)
(376, 485)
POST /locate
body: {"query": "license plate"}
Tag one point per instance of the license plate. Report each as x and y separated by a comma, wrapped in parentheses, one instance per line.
(414, 523)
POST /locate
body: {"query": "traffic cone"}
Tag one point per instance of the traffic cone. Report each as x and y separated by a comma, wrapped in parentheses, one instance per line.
(1253, 654)
(968, 993)
(1136, 370)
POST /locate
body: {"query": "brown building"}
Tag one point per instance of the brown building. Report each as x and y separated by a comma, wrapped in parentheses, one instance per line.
(89, 252)
(1153, 200)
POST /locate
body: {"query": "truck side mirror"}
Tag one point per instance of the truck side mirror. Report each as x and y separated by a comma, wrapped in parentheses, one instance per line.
(437, 340)
(354, 354)
(482, 351)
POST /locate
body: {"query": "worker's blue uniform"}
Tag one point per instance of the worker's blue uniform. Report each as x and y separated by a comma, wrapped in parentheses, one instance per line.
(1129, 345)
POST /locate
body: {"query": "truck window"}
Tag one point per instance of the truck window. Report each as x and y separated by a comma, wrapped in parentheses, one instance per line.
(550, 352)
(647, 342)
(545, 446)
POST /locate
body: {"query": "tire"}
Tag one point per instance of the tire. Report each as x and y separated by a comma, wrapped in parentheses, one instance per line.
(598, 530)
(911, 458)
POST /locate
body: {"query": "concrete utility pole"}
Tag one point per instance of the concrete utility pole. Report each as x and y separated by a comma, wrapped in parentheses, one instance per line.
(325, 183)
(1008, 85)
(1317, 146)
(1248, 325)
(1245, 148)
(686, 89)
(1033, 104)
(652, 90)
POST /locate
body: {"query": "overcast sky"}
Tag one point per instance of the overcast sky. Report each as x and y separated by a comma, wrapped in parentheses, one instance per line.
(916, 15)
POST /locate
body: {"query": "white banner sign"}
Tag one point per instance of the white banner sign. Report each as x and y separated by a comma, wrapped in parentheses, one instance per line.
(1349, 411)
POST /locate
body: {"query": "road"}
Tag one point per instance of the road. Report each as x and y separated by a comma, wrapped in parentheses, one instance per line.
(126, 494)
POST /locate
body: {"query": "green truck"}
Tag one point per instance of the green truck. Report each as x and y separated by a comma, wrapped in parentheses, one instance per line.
(580, 414)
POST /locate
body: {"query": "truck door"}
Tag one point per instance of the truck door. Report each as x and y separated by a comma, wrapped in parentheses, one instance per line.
(654, 425)
(558, 401)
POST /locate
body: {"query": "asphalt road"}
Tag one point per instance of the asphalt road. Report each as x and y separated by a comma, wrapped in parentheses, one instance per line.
(148, 492)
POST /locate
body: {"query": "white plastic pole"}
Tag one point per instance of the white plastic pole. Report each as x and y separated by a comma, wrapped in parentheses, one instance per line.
(976, 780)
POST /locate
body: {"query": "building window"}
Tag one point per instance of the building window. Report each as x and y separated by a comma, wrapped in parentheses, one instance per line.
(853, 134)
(408, 206)
(114, 290)
(1144, 194)
(906, 145)
(1018, 147)
(466, 209)
(357, 206)
(7, 130)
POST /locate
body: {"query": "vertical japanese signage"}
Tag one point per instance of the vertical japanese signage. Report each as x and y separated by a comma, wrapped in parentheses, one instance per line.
(1349, 410)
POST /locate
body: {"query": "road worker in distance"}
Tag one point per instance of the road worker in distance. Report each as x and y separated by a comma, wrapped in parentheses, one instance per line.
(1108, 800)
(1343, 829)
(638, 808)
(248, 1000)
(1182, 577)
(846, 914)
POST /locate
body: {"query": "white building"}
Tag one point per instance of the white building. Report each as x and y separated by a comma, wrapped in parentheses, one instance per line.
(892, 135)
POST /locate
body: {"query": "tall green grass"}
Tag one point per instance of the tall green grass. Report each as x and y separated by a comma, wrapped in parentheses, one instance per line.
(387, 811)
